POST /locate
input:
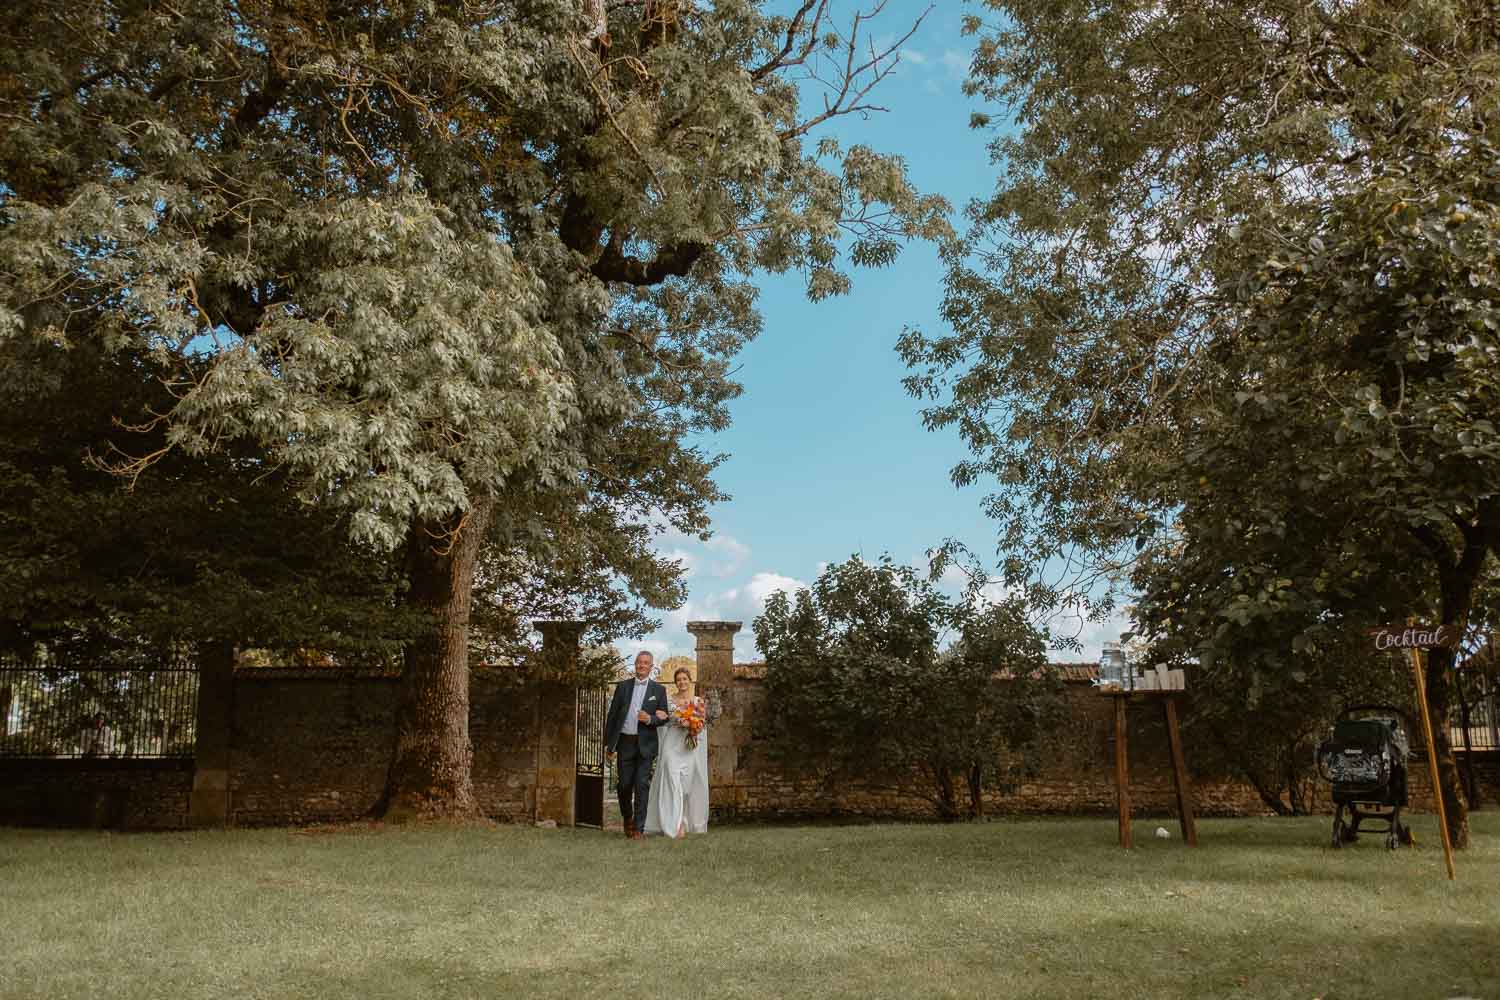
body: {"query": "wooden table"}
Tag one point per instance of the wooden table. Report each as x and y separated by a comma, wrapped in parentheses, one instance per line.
(1180, 779)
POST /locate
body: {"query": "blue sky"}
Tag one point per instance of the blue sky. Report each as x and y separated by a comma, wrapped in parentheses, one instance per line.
(828, 457)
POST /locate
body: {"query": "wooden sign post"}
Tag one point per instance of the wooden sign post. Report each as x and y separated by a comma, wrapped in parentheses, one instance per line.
(1414, 639)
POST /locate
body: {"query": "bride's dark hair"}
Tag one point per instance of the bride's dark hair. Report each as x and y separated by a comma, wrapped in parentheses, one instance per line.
(679, 672)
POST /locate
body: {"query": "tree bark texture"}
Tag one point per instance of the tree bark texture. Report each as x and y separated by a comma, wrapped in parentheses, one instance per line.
(1439, 700)
(1457, 582)
(1471, 783)
(1458, 574)
(1270, 794)
(945, 799)
(976, 791)
(1294, 786)
(430, 774)
(1238, 761)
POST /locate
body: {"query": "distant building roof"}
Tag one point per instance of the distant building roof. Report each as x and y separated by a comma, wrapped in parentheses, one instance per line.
(1078, 673)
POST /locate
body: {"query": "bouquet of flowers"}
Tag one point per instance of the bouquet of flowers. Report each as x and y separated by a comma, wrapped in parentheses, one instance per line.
(690, 717)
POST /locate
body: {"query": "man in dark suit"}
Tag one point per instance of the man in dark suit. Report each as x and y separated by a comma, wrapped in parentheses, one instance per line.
(638, 707)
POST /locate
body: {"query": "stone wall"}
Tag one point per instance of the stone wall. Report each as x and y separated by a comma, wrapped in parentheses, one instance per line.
(305, 746)
(133, 794)
(313, 745)
(1076, 778)
(1077, 775)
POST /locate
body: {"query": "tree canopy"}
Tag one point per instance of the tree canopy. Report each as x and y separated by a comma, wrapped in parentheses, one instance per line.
(1226, 329)
(464, 273)
(874, 673)
(421, 241)
(208, 550)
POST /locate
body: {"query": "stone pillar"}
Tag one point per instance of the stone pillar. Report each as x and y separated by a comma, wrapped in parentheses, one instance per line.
(715, 654)
(557, 724)
(208, 802)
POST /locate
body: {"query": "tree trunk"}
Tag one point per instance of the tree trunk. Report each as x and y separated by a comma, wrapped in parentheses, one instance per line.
(1271, 796)
(1238, 760)
(1439, 698)
(946, 799)
(1458, 575)
(1471, 784)
(1294, 783)
(976, 791)
(430, 776)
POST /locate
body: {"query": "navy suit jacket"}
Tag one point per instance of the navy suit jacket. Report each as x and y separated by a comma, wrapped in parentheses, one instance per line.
(619, 706)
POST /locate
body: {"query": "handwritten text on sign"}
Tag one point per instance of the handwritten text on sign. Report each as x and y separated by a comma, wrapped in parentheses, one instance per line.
(1415, 636)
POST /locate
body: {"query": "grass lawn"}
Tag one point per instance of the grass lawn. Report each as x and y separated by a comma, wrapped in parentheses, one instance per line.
(1034, 909)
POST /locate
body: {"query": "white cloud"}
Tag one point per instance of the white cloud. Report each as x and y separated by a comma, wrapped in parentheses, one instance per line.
(1064, 622)
(954, 581)
(722, 555)
(745, 601)
(995, 592)
(956, 63)
(729, 554)
(1093, 635)
(741, 603)
(763, 585)
(690, 562)
(914, 56)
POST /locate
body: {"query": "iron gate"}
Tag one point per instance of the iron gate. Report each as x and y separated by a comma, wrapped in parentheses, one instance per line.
(588, 779)
(65, 706)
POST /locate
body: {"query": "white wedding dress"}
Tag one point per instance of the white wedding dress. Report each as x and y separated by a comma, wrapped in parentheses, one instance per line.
(679, 786)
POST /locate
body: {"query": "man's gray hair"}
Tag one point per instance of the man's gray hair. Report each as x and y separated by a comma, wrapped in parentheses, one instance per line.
(646, 652)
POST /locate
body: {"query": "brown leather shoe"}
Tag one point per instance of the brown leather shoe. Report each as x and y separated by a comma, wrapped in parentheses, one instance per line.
(630, 829)
(637, 835)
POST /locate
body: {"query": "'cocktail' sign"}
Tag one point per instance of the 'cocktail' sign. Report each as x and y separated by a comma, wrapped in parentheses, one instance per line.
(1413, 639)
(1415, 636)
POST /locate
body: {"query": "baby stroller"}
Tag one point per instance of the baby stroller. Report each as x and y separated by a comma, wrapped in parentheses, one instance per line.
(1365, 760)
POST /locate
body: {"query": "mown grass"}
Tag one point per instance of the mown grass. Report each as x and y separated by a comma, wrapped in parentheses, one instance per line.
(1035, 909)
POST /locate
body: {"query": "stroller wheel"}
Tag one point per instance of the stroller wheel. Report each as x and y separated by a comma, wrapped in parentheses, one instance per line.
(1406, 836)
(1392, 839)
(1338, 833)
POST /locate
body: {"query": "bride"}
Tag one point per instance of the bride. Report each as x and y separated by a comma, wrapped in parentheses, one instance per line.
(678, 802)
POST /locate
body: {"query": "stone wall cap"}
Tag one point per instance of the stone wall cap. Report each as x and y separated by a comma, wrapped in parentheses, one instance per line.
(333, 673)
(1077, 673)
(1070, 673)
(715, 626)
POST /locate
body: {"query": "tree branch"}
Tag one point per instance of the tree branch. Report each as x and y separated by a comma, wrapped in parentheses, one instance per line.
(853, 78)
(781, 60)
(673, 261)
(1441, 551)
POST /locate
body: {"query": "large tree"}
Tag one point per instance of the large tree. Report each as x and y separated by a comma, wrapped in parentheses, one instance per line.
(1267, 735)
(873, 673)
(210, 551)
(449, 262)
(1227, 327)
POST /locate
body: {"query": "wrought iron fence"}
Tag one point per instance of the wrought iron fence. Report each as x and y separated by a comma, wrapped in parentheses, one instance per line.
(55, 708)
(1483, 732)
(589, 777)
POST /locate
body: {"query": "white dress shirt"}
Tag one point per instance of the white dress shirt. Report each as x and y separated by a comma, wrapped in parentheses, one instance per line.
(632, 723)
